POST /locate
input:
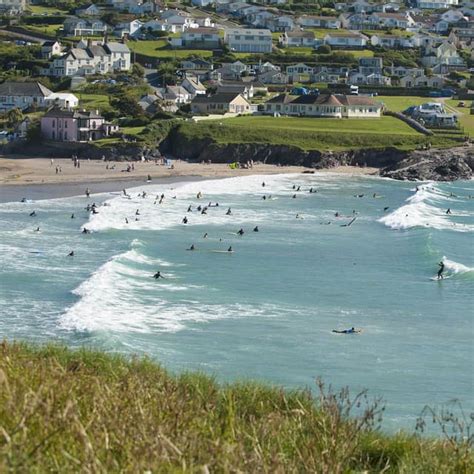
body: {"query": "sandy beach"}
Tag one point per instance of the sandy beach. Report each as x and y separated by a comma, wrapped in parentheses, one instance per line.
(37, 178)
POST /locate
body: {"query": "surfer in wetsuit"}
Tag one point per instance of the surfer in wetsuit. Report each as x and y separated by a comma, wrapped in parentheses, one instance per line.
(192, 247)
(230, 249)
(158, 275)
(347, 331)
(448, 211)
(229, 212)
(33, 214)
(71, 253)
(185, 220)
(241, 232)
(441, 270)
(255, 228)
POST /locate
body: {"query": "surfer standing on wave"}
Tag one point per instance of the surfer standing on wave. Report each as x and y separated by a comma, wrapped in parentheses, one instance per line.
(441, 270)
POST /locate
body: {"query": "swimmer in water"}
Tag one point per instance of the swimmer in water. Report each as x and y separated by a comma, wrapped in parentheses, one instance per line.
(448, 211)
(230, 249)
(264, 197)
(386, 208)
(241, 232)
(37, 229)
(204, 211)
(347, 331)
(204, 236)
(192, 247)
(71, 253)
(294, 196)
(255, 228)
(229, 212)
(158, 275)
(33, 214)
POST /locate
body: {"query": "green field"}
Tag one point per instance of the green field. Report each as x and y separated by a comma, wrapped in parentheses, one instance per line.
(51, 30)
(465, 118)
(94, 101)
(41, 10)
(312, 133)
(401, 103)
(362, 53)
(160, 49)
(85, 411)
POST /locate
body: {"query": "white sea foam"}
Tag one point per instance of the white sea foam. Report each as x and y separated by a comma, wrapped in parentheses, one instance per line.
(455, 267)
(422, 211)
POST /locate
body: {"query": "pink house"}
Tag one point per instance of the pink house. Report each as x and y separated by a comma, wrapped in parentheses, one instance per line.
(75, 126)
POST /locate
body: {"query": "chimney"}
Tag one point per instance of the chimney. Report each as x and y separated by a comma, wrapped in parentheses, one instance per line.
(89, 42)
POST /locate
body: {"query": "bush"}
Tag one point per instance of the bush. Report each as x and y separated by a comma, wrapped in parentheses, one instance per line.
(324, 49)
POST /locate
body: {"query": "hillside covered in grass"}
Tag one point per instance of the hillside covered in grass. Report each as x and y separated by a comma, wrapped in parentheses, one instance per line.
(65, 411)
(314, 133)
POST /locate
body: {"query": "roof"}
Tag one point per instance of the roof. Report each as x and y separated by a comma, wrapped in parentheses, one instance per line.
(337, 100)
(280, 99)
(56, 112)
(48, 43)
(348, 34)
(219, 98)
(300, 34)
(62, 96)
(248, 31)
(202, 30)
(116, 48)
(33, 89)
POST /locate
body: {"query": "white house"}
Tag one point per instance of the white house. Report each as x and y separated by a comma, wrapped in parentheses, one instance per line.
(436, 4)
(324, 105)
(392, 20)
(390, 41)
(83, 27)
(202, 3)
(91, 58)
(314, 21)
(297, 39)
(350, 39)
(445, 53)
(89, 10)
(243, 40)
(129, 28)
(202, 38)
(22, 95)
(12, 7)
(193, 85)
(62, 100)
(50, 49)
(421, 81)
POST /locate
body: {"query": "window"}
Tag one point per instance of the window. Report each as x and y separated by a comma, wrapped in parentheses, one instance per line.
(65, 124)
(94, 125)
(54, 124)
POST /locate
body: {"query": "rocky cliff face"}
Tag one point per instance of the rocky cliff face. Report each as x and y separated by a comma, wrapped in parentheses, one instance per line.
(435, 165)
(438, 165)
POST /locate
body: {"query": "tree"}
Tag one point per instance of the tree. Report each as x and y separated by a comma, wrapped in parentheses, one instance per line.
(324, 49)
(126, 105)
(138, 70)
(14, 117)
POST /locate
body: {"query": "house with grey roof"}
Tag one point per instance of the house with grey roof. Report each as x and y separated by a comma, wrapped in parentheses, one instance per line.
(22, 95)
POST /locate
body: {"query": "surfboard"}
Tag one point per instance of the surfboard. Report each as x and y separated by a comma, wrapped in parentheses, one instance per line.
(435, 278)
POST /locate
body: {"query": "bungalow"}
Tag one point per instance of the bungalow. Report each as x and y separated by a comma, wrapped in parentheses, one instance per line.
(22, 95)
(75, 125)
(390, 41)
(421, 81)
(177, 95)
(436, 4)
(273, 77)
(248, 40)
(197, 64)
(349, 40)
(445, 54)
(12, 7)
(324, 105)
(63, 100)
(313, 21)
(193, 85)
(88, 10)
(202, 3)
(327, 75)
(280, 23)
(227, 102)
(401, 71)
(81, 27)
(246, 90)
(200, 38)
(292, 39)
(392, 20)
(373, 79)
(298, 69)
(129, 28)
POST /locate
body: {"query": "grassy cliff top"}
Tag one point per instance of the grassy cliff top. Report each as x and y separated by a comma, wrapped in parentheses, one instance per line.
(66, 411)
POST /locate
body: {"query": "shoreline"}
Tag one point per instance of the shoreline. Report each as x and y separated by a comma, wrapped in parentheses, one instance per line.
(36, 178)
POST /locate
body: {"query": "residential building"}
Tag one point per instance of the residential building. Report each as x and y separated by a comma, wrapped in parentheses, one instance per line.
(446, 54)
(246, 90)
(436, 4)
(75, 126)
(272, 77)
(12, 7)
(196, 64)
(63, 100)
(374, 79)
(50, 49)
(370, 65)
(91, 58)
(248, 40)
(177, 94)
(83, 27)
(129, 28)
(324, 105)
(313, 21)
(227, 102)
(22, 95)
(295, 39)
(402, 21)
(193, 85)
(202, 3)
(346, 40)
(88, 10)
(199, 38)
(421, 81)
(391, 41)
(136, 7)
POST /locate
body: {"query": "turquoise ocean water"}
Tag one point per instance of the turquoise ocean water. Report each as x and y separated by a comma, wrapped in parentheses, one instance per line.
(265, 311)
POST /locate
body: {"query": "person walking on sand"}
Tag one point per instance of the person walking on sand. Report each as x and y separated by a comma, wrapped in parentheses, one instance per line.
(88, 192)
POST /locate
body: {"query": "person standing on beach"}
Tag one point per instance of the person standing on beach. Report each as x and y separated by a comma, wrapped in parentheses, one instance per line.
(88, 192)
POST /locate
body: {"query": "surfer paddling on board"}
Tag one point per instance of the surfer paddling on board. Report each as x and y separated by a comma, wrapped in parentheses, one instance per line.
(347, 331)
(441, 270)
(158, 275)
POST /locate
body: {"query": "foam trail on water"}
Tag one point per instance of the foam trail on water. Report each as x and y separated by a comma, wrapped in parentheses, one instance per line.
(421, 211)
(455, 267)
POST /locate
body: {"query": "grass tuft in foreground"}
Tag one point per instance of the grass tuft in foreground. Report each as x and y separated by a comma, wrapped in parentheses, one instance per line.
(67, 411)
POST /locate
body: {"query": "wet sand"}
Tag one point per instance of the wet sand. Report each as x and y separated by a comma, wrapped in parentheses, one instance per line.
(36, 178)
